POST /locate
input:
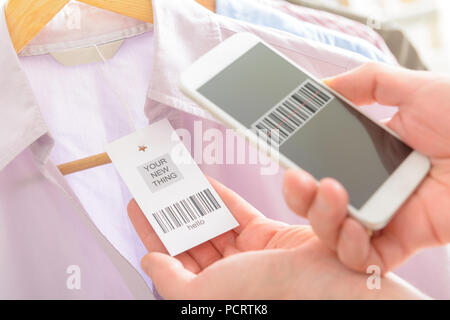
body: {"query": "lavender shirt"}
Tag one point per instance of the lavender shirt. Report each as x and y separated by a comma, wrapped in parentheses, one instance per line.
(49, 114)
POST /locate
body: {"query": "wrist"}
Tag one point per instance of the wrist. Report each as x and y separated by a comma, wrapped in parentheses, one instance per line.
(387, 287)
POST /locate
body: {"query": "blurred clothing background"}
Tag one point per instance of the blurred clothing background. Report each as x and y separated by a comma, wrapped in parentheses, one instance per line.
(425, 22)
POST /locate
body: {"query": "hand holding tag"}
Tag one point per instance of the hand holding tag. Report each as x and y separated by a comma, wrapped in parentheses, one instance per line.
(261, 259)
(175, 196)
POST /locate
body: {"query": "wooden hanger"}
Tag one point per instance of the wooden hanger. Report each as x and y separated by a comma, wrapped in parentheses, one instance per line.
(25, 18)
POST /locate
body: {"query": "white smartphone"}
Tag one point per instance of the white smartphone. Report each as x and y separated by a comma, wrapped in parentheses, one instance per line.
(247, 84)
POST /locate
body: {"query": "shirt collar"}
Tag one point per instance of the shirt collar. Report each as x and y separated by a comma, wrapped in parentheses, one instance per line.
(21, 121)
(22, 125)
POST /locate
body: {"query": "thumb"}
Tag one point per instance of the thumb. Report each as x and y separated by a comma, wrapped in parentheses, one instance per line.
(168, 274)
(376, 82)
(422, 98)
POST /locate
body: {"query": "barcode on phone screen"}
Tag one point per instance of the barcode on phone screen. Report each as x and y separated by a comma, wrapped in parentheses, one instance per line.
(186, 211)
(283, 120)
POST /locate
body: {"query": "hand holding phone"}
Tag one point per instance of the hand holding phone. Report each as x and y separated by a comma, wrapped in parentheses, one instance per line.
(247, 84)
(423, 220)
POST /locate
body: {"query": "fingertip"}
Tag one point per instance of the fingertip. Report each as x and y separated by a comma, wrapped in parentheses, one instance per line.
(152, 261)
(146, 263)
(334, 192)
(137, 217)
(299, 189)
(168, 274)
(132, 207)
(214, 182)
(295, 179)
(328, 211)
(354, 245)
(143, 228)
(328, 81)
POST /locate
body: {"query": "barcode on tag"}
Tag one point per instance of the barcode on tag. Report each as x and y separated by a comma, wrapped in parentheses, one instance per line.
(186, 211)
(169, 187)
(283, 120)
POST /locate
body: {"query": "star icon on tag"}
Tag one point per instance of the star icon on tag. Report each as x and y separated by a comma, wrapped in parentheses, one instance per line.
(142, 148)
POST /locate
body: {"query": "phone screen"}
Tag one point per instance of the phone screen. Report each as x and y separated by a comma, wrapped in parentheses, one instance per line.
(315, 129)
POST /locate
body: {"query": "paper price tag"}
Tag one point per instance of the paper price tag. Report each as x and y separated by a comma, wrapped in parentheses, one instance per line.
(177, 199)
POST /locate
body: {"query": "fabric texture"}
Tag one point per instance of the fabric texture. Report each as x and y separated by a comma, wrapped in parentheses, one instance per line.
(262, 13)
(50, 114)
(395, 39)
(331, 21)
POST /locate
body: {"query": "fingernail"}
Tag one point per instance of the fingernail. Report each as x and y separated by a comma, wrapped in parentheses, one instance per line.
(321, 204)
